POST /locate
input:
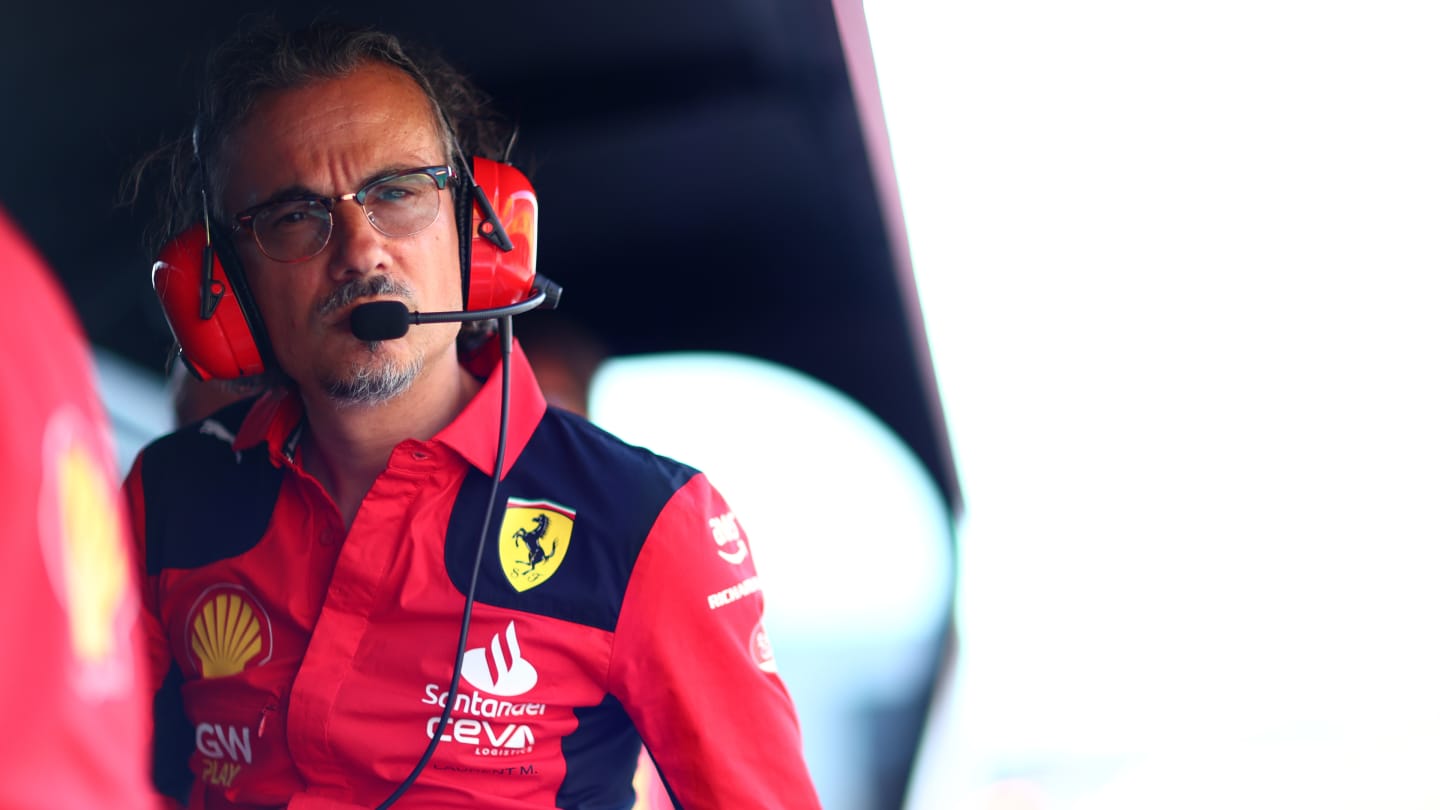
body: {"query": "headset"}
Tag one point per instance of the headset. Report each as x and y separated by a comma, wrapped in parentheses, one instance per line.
(217, 326)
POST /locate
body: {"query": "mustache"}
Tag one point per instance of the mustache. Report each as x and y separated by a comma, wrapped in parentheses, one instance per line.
(369, 287)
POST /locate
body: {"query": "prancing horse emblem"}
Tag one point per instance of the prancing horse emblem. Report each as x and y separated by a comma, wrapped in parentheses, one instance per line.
(532, 539)
(537, 535)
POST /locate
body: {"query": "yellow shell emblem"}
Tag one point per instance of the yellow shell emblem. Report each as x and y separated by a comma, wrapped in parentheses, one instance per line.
(84, 543)
(94, 558)
(229, 631)
(533, 540)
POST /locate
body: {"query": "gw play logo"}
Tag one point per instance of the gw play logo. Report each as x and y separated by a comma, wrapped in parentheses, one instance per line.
(224, 748)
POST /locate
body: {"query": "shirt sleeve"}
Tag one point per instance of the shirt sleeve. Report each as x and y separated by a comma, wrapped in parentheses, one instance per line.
(694, 670)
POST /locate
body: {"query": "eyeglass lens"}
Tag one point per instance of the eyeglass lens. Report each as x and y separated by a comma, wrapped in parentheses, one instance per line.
(294, 230)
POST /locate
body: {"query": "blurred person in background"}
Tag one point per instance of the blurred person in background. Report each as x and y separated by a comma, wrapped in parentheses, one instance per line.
(565, 357)
(76, 703)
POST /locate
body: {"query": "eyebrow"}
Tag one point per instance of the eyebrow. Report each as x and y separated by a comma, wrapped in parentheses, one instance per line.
(287, 194)
(299, 192)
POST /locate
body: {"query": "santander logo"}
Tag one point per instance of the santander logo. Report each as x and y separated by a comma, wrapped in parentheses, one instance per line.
(504, 672)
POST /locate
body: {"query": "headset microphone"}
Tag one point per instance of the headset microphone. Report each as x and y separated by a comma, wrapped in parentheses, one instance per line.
(388, 320)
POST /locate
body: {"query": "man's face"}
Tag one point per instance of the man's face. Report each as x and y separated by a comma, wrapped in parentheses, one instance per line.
(329, 138)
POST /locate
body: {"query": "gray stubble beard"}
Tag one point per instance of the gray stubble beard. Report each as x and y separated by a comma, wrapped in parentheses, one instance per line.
(367, 386)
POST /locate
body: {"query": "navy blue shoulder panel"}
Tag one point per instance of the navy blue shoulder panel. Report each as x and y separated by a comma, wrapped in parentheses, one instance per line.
(615, 490)
(202, 503)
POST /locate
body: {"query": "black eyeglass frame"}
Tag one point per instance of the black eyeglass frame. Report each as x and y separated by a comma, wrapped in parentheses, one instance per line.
(245, 220)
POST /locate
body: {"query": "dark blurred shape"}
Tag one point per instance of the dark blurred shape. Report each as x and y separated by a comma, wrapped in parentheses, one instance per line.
(564, 356)
(193, 399)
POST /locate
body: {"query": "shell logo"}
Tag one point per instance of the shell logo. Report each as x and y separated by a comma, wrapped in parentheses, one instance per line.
(93, 554)
(82, 539)
(229, 632)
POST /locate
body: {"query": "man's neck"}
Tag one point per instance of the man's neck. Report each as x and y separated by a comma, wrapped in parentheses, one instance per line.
(346, 447)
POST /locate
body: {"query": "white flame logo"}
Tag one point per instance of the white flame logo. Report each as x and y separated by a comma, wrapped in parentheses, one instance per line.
(510, 676)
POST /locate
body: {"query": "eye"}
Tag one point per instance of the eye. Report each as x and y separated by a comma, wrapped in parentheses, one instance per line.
(290, 214)
(391, 193)
(399, 190)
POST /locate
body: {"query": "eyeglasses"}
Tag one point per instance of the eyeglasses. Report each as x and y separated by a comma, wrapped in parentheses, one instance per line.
(396, 205)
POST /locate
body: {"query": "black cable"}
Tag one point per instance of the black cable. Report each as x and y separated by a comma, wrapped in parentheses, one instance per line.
(506, 337)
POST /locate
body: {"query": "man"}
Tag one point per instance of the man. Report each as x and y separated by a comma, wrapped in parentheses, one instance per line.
(74, 689)
(308, 553)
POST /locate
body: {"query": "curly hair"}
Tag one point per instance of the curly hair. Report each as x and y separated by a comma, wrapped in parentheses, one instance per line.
(263, 57)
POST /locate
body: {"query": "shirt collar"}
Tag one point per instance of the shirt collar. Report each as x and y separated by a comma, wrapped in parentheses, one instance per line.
(275, 419)
(475, 432)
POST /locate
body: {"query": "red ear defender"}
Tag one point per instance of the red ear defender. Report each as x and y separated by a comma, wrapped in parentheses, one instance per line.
(499, 277)
(203, 311)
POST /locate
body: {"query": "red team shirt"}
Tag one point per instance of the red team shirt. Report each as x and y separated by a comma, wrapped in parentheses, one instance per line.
(76, 706)
(617, 603)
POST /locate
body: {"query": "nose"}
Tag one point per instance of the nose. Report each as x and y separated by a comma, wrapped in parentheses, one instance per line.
(356, 247)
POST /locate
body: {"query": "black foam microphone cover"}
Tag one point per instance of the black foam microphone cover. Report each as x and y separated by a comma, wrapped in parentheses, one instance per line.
(380, 320)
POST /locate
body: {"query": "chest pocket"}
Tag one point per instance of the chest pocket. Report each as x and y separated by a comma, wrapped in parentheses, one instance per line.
(240, 755)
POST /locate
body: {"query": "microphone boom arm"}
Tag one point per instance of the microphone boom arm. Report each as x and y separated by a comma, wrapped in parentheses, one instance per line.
(537, 300)
(387, 320)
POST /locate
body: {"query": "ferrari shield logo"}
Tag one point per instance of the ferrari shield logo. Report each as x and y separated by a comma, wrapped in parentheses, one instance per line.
(533, 540)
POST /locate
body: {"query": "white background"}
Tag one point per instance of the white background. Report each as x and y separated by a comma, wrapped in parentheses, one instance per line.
(1178, 264)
